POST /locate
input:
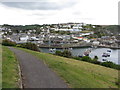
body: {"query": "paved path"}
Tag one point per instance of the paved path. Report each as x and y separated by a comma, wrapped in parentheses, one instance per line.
(35, 73)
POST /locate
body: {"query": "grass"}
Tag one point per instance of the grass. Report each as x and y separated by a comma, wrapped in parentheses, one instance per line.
(9, 69)
(79, 74)
(0, 65)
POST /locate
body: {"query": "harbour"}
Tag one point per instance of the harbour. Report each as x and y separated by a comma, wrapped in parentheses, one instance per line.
(99, 52)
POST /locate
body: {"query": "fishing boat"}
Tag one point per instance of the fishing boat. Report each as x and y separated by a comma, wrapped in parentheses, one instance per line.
(106, 55)
(70, 49)
(108, 50)
(104, 59)
(87, 52)
(80, 56)
(52, 49)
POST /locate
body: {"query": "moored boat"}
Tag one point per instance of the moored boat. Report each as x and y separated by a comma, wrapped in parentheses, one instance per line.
(106, 55)
(108, 50)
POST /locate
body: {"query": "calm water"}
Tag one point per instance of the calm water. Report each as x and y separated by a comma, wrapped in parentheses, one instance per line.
(114, 54)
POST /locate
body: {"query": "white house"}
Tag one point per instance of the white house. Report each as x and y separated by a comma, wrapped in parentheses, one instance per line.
(96, 42)
(24, 39)
(34, 38)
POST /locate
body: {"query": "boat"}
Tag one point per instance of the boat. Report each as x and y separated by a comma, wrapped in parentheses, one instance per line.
(104, 59)
(70, 49)
(108, 50)
(106, 55)
(87, 52)
(80, 56)
(52, 50)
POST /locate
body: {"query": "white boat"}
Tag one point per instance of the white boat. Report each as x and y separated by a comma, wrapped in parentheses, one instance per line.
(52, 50)
(70, 48)
(87, 52)
(106, 55)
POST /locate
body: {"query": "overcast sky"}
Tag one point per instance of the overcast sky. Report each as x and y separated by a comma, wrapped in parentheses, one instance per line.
(102, 12)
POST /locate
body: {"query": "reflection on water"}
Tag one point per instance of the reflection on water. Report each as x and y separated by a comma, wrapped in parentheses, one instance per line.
(114, 54)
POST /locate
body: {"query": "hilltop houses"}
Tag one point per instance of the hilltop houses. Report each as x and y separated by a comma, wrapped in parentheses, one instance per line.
(57, 34)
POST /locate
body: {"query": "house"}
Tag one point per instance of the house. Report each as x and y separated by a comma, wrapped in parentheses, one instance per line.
(78, 38)
(24, 39)
(86, 40)
(96, 42)
(34, 38)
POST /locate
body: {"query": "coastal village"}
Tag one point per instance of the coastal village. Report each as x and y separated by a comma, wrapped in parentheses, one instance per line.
(66, 44)
(64, 35)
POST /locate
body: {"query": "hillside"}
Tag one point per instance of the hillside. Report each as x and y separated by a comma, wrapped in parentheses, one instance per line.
(115, 29)
(79, 74)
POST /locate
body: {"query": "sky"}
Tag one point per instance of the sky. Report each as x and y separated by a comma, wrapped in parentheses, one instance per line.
(97, 12)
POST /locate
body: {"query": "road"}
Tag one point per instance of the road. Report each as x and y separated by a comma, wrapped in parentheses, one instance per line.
(35, 73)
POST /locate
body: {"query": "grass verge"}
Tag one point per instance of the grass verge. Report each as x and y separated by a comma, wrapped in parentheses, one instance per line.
(9, 69)
(79, 74)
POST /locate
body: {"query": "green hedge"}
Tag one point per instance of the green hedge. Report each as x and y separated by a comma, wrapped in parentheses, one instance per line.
(30, 46)
(8, 43)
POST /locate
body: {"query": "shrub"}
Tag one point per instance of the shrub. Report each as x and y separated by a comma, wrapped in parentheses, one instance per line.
(65, 53)
(86, 58)
(59, 53)
(109, 64)
(96, 62)
(77, 58)
(8, 43)
(30, 46)
(96, 58)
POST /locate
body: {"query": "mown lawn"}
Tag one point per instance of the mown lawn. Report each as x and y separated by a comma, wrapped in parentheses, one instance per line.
(9, 69)
(79, 74)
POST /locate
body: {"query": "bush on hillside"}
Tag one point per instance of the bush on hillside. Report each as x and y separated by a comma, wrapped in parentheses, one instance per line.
(59, 53)
(109, 64)
(77, 58)
(30, 46)
(65, 53)
(86, 58)
(96, 62)
(96, 58)
(8, 43)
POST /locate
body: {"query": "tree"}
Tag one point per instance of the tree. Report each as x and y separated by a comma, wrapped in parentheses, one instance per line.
(59, 53)
(95, 58)
(67, 53)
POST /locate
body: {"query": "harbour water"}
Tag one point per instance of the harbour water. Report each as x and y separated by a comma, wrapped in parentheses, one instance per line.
(114, 54)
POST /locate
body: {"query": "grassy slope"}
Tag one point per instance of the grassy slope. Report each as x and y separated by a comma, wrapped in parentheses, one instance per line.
(9, 68)
(0, 65)
(79, 74)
